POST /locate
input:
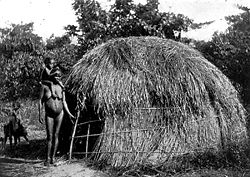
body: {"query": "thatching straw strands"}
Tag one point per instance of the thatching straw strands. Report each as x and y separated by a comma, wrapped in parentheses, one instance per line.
(147, 83)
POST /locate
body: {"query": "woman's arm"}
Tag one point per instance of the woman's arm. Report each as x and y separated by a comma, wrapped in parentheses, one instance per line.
(66, 105)
(40, 104)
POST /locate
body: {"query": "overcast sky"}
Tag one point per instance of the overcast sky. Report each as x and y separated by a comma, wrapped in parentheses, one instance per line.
(50, 16)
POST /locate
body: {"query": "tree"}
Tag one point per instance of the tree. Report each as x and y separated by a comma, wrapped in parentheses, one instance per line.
(20, 55)
(124, 19)
(230, 51)
(20, 38)
(21, 59)
(92, 21)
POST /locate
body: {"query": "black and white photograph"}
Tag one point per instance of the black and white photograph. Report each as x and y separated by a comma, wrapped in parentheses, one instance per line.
(124, 88)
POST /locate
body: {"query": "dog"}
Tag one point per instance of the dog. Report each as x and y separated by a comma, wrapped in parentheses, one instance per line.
(16, 129)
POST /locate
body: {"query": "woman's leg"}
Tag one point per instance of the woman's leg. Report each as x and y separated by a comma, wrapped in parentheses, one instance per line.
(49, 129)
(58, 123)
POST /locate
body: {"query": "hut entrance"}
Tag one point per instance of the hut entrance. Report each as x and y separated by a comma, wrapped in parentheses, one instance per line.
(87, 129)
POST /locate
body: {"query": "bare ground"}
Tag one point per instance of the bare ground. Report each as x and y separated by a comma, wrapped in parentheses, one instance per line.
(18, 167)
(26, 160)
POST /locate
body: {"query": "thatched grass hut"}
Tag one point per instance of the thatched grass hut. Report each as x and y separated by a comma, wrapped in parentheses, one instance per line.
(158, 99)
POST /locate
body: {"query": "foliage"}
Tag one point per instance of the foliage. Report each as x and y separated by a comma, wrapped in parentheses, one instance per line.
(57, 42)
(230, 51)
(20, 38)
(21, 60)
(20, 55)
(64, 52)
(92, 21)
(124, 19)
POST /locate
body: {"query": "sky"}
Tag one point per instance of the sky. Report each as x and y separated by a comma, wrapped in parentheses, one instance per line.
(51, 16)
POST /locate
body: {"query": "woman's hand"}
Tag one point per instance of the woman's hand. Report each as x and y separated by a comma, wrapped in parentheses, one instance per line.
(40, 119)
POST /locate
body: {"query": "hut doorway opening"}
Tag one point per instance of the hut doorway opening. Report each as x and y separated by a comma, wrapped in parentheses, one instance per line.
(89, 128)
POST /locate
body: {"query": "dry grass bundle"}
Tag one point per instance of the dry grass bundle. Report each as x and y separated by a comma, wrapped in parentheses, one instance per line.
(159, 99)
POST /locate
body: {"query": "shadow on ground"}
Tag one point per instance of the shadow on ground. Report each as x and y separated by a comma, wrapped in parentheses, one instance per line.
(35, 149)
(20, 167)
(28, 160)
(24, 159)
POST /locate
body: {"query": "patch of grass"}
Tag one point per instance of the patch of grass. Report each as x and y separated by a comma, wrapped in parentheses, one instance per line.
(28, 112)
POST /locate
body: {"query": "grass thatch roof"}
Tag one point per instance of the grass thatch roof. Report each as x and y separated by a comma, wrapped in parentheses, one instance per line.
(164, 95)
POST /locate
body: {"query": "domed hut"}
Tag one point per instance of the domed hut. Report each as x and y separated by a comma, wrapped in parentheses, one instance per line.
(156, 99)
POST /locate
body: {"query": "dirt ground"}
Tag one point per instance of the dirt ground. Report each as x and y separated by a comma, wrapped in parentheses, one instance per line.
(18, 167)
(27, 160)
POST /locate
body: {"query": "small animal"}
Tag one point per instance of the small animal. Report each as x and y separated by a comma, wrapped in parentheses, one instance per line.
(14, 128)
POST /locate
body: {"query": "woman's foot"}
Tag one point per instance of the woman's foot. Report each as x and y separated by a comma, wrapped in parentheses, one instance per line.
(52, 161)
(46, 163)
